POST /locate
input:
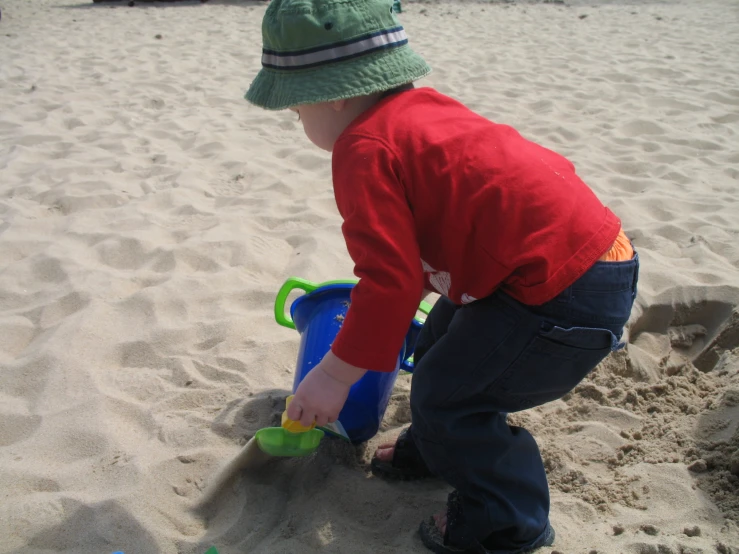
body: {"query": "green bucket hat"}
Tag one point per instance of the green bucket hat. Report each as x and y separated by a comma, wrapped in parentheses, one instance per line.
(325, 50)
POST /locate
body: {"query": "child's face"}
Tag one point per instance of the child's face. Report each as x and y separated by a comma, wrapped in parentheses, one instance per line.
(323, 122)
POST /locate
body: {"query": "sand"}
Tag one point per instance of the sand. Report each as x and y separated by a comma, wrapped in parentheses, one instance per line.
(148, 217)
(250, 460)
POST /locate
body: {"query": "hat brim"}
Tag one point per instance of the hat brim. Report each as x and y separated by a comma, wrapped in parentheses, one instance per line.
(368, 74)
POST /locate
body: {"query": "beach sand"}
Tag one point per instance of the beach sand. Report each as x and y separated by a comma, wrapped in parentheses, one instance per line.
(148, 216)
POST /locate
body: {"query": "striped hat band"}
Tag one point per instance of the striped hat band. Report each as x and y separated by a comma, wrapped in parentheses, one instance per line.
(340, 51)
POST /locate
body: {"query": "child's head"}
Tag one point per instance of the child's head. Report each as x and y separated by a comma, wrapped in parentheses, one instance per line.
(329, 60)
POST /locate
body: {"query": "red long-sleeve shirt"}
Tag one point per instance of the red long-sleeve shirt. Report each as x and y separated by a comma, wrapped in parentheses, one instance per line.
(433, 194)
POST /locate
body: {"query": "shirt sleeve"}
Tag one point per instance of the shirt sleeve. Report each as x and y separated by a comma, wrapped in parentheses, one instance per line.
(380, 235)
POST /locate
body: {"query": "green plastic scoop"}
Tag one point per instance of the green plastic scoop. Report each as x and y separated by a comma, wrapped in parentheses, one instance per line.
(291, 439)
(278, 441)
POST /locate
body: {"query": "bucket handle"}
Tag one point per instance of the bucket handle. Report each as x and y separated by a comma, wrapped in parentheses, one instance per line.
(425, 308)
(408, 365)
(297, 283)
(290, 285)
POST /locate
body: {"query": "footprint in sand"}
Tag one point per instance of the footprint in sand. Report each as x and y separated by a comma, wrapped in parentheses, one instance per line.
(701, 332)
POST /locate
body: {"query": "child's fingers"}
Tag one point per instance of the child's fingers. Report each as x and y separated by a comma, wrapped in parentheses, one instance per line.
(294, 411)
(307, 418)
(321, 420)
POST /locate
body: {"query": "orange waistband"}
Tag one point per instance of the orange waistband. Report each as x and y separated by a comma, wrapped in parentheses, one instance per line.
(621, 251)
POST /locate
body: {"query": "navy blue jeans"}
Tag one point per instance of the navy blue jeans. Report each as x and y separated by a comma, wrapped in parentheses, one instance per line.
(475, 363)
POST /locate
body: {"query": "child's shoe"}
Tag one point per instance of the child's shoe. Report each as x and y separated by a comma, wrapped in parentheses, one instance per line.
(436, 542)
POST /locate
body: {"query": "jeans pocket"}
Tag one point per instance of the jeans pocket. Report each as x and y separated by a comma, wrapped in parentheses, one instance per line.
(550, 366)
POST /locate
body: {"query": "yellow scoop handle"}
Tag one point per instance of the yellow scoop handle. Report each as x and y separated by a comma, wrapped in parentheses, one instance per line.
(289, 424)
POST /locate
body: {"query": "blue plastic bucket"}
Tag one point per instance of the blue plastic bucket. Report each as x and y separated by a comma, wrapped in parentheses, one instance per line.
(318, 315)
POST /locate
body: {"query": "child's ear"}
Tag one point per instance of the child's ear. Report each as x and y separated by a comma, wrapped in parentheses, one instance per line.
(338, 105)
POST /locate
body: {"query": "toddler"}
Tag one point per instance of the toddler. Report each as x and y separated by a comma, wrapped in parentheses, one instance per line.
(536, 276)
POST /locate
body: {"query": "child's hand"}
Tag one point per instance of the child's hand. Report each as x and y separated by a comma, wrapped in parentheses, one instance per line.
(322, 393)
